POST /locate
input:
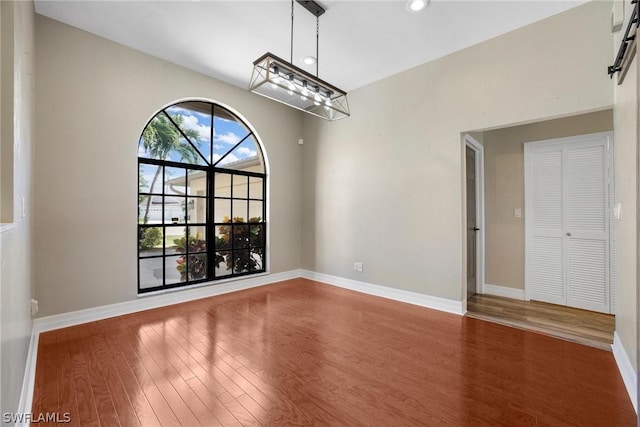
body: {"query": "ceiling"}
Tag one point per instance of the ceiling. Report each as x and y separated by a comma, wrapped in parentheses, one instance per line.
(360, 41)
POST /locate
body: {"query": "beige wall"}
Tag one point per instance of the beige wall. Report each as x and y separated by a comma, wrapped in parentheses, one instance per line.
(625, 122)
(384, 187)
(504, 189)
(6, 117)
(16, 277)
(94, 98)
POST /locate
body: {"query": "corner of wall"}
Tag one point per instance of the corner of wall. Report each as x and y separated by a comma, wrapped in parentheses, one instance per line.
(16, 242)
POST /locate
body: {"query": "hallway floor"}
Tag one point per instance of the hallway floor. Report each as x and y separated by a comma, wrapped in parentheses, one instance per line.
(572, 324)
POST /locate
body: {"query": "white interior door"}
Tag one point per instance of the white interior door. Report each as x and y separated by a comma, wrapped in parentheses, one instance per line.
(567, 222)
(545, 256)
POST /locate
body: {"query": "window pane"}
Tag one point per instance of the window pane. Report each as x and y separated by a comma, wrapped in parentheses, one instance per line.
(257, 260)
(150, 178)
(223, 263)
(223, 237)
(222, 210)
(241, 261)
(152, 210)
(175, 181)
(150, 272)
(197, 239)
(240, 187)
(240, 210)
(194, 119)
(175, 240)
(255, 188)
(150, 241)
(161, 140)
(240, 236)
(175, 269)
(256, 235)
(197, 267)
(184, 152)
(223, 185)
(196, 210)
(228, 132)
(147, 212)
(174, 210)
(255, 211)
(245, 157)
(151, 144)
(196, 183)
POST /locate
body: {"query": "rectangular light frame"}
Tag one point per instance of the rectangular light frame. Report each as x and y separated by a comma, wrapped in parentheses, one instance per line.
(281, 81)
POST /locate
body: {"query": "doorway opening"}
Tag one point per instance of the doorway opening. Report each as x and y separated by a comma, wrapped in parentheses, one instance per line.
(501, 273)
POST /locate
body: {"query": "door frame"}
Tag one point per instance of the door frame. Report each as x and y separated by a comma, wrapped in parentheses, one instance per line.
(478, 148)
(528, 145)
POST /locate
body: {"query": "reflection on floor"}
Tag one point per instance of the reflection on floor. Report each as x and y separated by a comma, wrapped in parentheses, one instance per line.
(302, 353)
(581, 326)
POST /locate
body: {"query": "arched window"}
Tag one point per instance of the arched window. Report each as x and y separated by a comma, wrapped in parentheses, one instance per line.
(201, 198)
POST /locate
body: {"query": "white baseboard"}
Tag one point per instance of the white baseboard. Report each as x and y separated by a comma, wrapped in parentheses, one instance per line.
(64, 320)
(629, 375)
(29, 380)
(503, 291)
(436, 303)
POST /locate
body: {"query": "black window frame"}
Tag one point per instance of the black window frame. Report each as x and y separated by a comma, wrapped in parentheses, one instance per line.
(242, 248)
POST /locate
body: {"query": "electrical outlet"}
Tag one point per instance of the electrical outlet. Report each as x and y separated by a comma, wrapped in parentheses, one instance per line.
(517, 213)
(357, 266)
(34, 307)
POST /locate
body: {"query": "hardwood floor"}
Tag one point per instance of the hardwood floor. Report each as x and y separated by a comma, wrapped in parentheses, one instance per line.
(581, 326)
(304, 353)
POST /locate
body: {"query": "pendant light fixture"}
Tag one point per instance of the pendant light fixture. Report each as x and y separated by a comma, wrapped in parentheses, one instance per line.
(282, 81)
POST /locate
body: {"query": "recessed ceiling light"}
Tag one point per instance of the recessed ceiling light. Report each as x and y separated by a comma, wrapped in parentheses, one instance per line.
(417, 5)
(309, 60)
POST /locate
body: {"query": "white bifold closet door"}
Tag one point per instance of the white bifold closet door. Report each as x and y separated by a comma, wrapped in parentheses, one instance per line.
(567, 222)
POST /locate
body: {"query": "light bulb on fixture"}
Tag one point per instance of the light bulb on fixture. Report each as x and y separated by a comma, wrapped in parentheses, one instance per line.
(304, 92)
(328, 102)
(292, 85)
(275, 81)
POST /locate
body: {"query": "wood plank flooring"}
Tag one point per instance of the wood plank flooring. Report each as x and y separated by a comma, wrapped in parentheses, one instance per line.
(304, 353)
(581, 326)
